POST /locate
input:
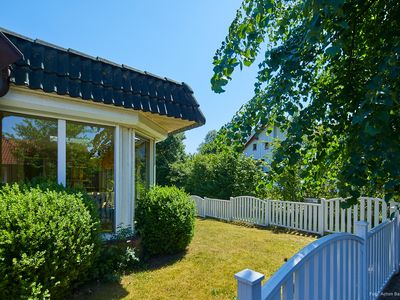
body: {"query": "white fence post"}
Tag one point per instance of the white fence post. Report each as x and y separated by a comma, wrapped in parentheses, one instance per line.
(362, 232)
(267, 212)
(206, 207)
(321, 217)
(231, 208)
(203, 208)
(249, 285)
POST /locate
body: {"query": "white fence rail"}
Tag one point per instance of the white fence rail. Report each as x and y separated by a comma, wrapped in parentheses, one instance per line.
(337, 266)
(326, 216)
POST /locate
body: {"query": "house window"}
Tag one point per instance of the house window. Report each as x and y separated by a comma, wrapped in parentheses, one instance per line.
(79, 155)
(142, 165)
(28, 148)
(90, 165)
(254, 147)
(266, 146)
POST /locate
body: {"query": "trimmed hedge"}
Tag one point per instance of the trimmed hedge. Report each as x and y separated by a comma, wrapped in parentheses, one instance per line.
(48, 241)
(165, 220)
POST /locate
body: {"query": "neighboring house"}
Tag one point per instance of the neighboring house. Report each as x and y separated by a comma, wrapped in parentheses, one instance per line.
(260, 144)
(86, 122)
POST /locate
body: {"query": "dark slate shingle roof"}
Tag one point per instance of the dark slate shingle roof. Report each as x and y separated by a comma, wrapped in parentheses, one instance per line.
(68, 72)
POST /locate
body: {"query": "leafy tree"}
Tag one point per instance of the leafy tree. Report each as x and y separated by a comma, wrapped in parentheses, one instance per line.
(221, 175)
(170, 151)
(204, 147)
(306, 178)
(334, 64)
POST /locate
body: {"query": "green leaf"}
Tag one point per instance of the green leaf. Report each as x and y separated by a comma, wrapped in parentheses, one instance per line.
(332, 51)
(372, 131)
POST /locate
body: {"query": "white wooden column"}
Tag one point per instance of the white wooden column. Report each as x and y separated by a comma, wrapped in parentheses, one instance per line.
(132, 178)
(152, 163)
(155, 163)
(117, 176)
(124, 178)
(61, 152)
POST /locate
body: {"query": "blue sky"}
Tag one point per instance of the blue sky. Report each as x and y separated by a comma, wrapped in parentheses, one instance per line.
(173, 38)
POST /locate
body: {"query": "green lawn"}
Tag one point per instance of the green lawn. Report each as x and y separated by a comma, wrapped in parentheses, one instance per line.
(217, 252)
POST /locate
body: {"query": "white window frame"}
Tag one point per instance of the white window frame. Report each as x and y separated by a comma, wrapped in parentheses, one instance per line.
(61, 152)
(63, 109)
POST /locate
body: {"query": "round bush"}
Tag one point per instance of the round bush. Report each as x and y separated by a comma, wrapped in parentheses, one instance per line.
(165, 220)
(48, 240)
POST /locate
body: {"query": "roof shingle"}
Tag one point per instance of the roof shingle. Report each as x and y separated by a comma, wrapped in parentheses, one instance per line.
(68, 72)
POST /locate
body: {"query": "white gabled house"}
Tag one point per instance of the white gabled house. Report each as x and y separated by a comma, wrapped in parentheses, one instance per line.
(260, 144)
(86, 122)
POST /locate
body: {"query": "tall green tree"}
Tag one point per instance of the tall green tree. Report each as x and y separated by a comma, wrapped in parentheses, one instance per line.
(169, 151)
(206, 145)
(334, 64)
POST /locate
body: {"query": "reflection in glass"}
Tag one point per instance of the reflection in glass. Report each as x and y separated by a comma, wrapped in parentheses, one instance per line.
(142, 165)
(28, 148)
(90, 165)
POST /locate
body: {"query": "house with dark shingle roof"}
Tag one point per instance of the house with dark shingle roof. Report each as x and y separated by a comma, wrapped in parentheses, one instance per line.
(86, 122)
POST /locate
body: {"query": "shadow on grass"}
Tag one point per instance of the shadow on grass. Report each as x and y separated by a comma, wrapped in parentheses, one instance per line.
(114, 289)
(272, 228)
(278, 230)
(92, 290)
(160, 261)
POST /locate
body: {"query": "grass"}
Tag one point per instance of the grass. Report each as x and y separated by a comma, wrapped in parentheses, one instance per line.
(217, 252)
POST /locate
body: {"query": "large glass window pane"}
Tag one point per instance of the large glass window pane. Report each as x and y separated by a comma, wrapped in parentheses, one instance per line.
(28, 148)
(142, 165)
(90, 165)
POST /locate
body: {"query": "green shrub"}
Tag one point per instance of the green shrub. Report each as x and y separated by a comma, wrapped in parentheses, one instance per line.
(46, 184)
(48, 240)
(221, 175)
(117, 255)
(165, 220)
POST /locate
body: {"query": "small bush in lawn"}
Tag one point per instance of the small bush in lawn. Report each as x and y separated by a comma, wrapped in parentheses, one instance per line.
(48, 241)
(165, 220)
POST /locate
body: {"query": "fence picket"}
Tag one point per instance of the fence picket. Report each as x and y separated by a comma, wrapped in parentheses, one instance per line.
(376, 213)
(355, 216)
(337, 216)
(342, 220)
(314, 218)
(331, 203)
(384, 211)
(362, 209)
(348, 220)
(369, 213)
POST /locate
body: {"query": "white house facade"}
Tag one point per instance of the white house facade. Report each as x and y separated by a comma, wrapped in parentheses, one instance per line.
(260, 145)
(86, 122)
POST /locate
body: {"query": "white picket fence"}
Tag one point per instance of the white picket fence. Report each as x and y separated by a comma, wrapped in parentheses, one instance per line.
(373, 210)
(337, 266)
(319, 218)
(200, 209)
